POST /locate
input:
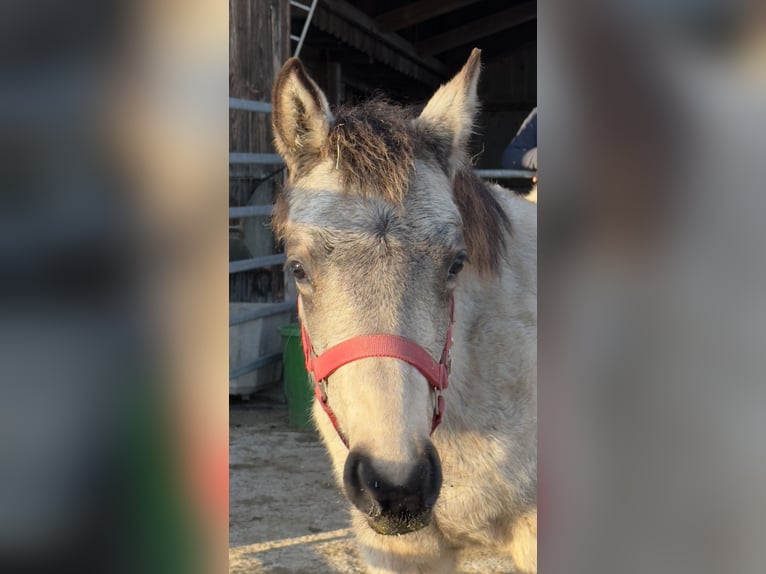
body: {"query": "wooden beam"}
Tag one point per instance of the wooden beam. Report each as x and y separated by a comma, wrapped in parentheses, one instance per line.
(480, 28)
(345, 11)
(334, 91)
(416, 12)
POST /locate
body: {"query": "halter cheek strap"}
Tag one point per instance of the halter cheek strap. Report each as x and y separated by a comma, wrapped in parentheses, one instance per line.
(380, 345)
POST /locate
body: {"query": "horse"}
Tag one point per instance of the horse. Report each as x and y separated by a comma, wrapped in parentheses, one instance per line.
(400, 254)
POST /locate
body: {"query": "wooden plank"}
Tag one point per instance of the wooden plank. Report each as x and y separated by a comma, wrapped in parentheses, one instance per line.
(258, 46)
(416, 12)
(478, 29)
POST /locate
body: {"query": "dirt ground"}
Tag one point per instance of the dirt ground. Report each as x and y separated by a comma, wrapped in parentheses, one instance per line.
(286, 514)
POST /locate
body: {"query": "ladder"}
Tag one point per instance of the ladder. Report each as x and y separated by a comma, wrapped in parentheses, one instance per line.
(302, 37)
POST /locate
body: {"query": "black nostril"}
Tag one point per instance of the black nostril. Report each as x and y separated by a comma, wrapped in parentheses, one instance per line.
(357, 483)
(432, 479)
(371, 493)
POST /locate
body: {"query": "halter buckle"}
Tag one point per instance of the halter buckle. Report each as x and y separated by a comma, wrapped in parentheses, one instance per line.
(435, 396)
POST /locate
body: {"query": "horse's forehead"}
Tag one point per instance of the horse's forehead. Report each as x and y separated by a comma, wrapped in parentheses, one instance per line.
(322, 188)
(430, 187)
(318, 200)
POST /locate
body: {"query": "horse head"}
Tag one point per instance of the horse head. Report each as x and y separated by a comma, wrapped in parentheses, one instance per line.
(379, 216)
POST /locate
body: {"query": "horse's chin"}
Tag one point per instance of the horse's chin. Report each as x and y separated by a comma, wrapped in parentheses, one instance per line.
(399, 524)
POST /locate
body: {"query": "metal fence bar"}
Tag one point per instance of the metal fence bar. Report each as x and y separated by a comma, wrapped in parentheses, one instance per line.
(303, 7)
(305, 30)
(272, 309)
(255, 158)
(249, 105)
(256, 263)
(252, 366)
(250, 211)
(505, 173)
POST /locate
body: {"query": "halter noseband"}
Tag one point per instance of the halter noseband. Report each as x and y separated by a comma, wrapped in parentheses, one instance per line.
(380, 345)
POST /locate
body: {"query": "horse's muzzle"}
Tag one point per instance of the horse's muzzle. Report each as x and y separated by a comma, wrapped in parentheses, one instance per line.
(403, 523)
(394, 509)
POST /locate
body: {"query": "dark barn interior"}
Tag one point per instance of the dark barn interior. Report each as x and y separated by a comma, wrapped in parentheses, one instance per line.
(407, 49)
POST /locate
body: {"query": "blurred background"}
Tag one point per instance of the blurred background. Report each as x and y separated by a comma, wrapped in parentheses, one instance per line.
(113, 439)
(113, 419)
(651, 304)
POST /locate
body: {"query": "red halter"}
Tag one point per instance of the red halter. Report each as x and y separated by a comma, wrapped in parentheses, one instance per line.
(393, 346)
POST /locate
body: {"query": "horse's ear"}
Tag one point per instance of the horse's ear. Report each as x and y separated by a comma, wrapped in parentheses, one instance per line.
(453, 107)
(300, 116)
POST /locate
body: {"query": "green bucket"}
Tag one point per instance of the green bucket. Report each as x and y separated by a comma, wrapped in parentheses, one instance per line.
(300, 395)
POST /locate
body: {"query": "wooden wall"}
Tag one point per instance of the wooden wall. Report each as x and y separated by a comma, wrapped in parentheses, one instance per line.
(259, 43)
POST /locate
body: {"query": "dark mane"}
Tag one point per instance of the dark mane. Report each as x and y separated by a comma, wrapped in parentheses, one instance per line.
(485, 222)
(374, 146)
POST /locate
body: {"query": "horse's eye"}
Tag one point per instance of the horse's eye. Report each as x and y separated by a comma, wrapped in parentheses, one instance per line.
(457, 266)
(297, 270)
